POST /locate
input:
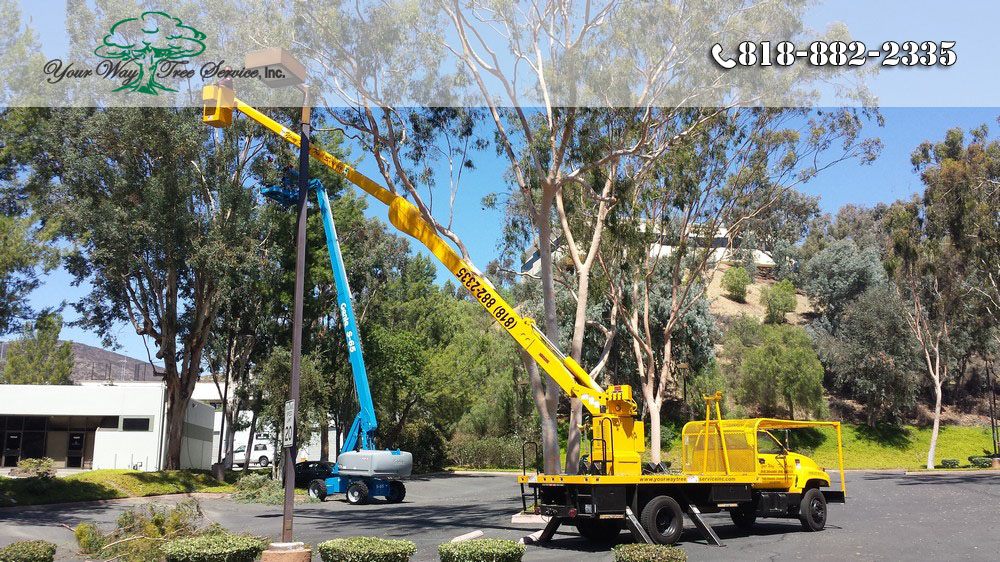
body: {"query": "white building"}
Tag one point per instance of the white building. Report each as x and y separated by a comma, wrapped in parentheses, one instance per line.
(724, 250)
(94, 425)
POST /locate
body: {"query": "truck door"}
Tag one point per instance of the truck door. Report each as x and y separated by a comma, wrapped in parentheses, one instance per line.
(773, 459)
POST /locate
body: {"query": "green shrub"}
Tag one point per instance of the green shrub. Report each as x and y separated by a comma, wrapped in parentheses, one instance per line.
(481, 550)
(88, 538)
(421, 435)
(734, 282)
(28, 551)
(42, 468)
(980, 462)
(486, 452)
(648, 553)
(949, 463)
(220, 547)
(366, 549)
(778, 300)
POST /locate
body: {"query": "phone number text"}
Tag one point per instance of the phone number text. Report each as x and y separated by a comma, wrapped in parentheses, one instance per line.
(836, 53)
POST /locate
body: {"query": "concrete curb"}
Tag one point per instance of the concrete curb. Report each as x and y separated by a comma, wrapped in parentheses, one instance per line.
(114, 501)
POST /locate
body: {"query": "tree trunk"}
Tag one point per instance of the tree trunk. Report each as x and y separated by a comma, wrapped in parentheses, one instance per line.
(654, 430)
(324, 440)
(253, 430)
(937, 423)
(573, 436)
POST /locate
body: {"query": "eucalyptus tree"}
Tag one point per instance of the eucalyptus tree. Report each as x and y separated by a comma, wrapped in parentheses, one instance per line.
(534, 68)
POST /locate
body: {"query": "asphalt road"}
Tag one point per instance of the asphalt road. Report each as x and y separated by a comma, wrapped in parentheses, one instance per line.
(889, 516)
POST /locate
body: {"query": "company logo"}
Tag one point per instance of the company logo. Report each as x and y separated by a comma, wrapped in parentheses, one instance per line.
(148, 41)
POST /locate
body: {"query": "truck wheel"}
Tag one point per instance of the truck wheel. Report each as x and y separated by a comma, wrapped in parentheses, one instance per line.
(663, 520)
(317, 489)
(263, 461)
(397, 491)
(745, 515)
(601, 531)
(357, 493)
(812, 510)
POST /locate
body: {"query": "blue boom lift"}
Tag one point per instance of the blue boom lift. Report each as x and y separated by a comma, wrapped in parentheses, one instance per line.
(361, 471)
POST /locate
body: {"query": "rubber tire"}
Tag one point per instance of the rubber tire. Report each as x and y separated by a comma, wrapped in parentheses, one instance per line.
(263, 461)
(397, 491)
(744, 516)
(812, 510)
(317, 489)
(651, 515)
(599, 531)
(357, 493)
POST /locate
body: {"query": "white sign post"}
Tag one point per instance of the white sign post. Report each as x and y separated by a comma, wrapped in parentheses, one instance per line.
(288, 433)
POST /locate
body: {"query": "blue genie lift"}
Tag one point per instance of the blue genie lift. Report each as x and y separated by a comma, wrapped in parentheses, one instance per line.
(361, 471)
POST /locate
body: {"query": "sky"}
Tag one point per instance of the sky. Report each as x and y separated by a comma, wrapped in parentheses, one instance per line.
(889, 178)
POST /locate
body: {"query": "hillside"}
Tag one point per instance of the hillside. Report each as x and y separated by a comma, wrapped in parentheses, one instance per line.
(726, 310)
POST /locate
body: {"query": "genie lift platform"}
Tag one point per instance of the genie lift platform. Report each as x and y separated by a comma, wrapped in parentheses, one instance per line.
(361, 471)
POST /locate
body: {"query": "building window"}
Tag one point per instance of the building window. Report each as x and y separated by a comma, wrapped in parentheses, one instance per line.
(135, 424)
(108, 422)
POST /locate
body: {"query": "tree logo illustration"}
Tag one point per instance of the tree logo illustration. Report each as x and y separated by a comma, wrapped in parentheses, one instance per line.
(147, 41)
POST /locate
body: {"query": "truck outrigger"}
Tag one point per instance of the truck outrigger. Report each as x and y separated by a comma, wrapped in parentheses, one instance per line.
(735, 465)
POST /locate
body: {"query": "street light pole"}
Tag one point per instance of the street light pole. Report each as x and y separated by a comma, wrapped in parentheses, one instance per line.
(300, 261)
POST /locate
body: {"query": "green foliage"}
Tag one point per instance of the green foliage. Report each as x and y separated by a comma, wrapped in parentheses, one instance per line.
(707, 381)
(778, 300)
(35, 468)
(427, 444)
(648, 553)
(366, 549)
(88, 538)
(783, 368)
(840, 273)
(872, 356)
(949, 463)
(28, 551)
(743, 334)
(219, 547)
(273, 377)
(259, 488)
(38, 357)
(25, 253)
(481, 550)
(980, 462)
(734, 282)
(487, 452)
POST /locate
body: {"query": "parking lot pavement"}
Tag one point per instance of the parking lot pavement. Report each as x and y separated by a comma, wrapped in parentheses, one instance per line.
(890, 516)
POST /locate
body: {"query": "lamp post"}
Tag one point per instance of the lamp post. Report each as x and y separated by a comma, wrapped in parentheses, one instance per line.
(279, 68)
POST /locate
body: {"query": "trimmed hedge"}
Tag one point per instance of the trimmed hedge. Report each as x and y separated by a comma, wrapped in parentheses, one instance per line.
(980, 462)
(28, 551)
(215, 548)
(949, 463)
(648, 553)
(481, 550)
(366, 549)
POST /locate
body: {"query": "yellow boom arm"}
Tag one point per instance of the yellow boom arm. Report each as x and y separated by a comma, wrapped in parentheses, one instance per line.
(220, 101)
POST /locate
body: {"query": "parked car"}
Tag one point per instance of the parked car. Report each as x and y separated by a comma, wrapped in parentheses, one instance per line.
(262, 454)
(306, 472)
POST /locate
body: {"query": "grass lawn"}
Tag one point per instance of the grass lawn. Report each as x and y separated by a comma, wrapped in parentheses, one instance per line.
(895, 448)
(108, 484)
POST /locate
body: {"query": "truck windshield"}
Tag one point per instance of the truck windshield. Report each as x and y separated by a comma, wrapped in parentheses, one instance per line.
(768, 445)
